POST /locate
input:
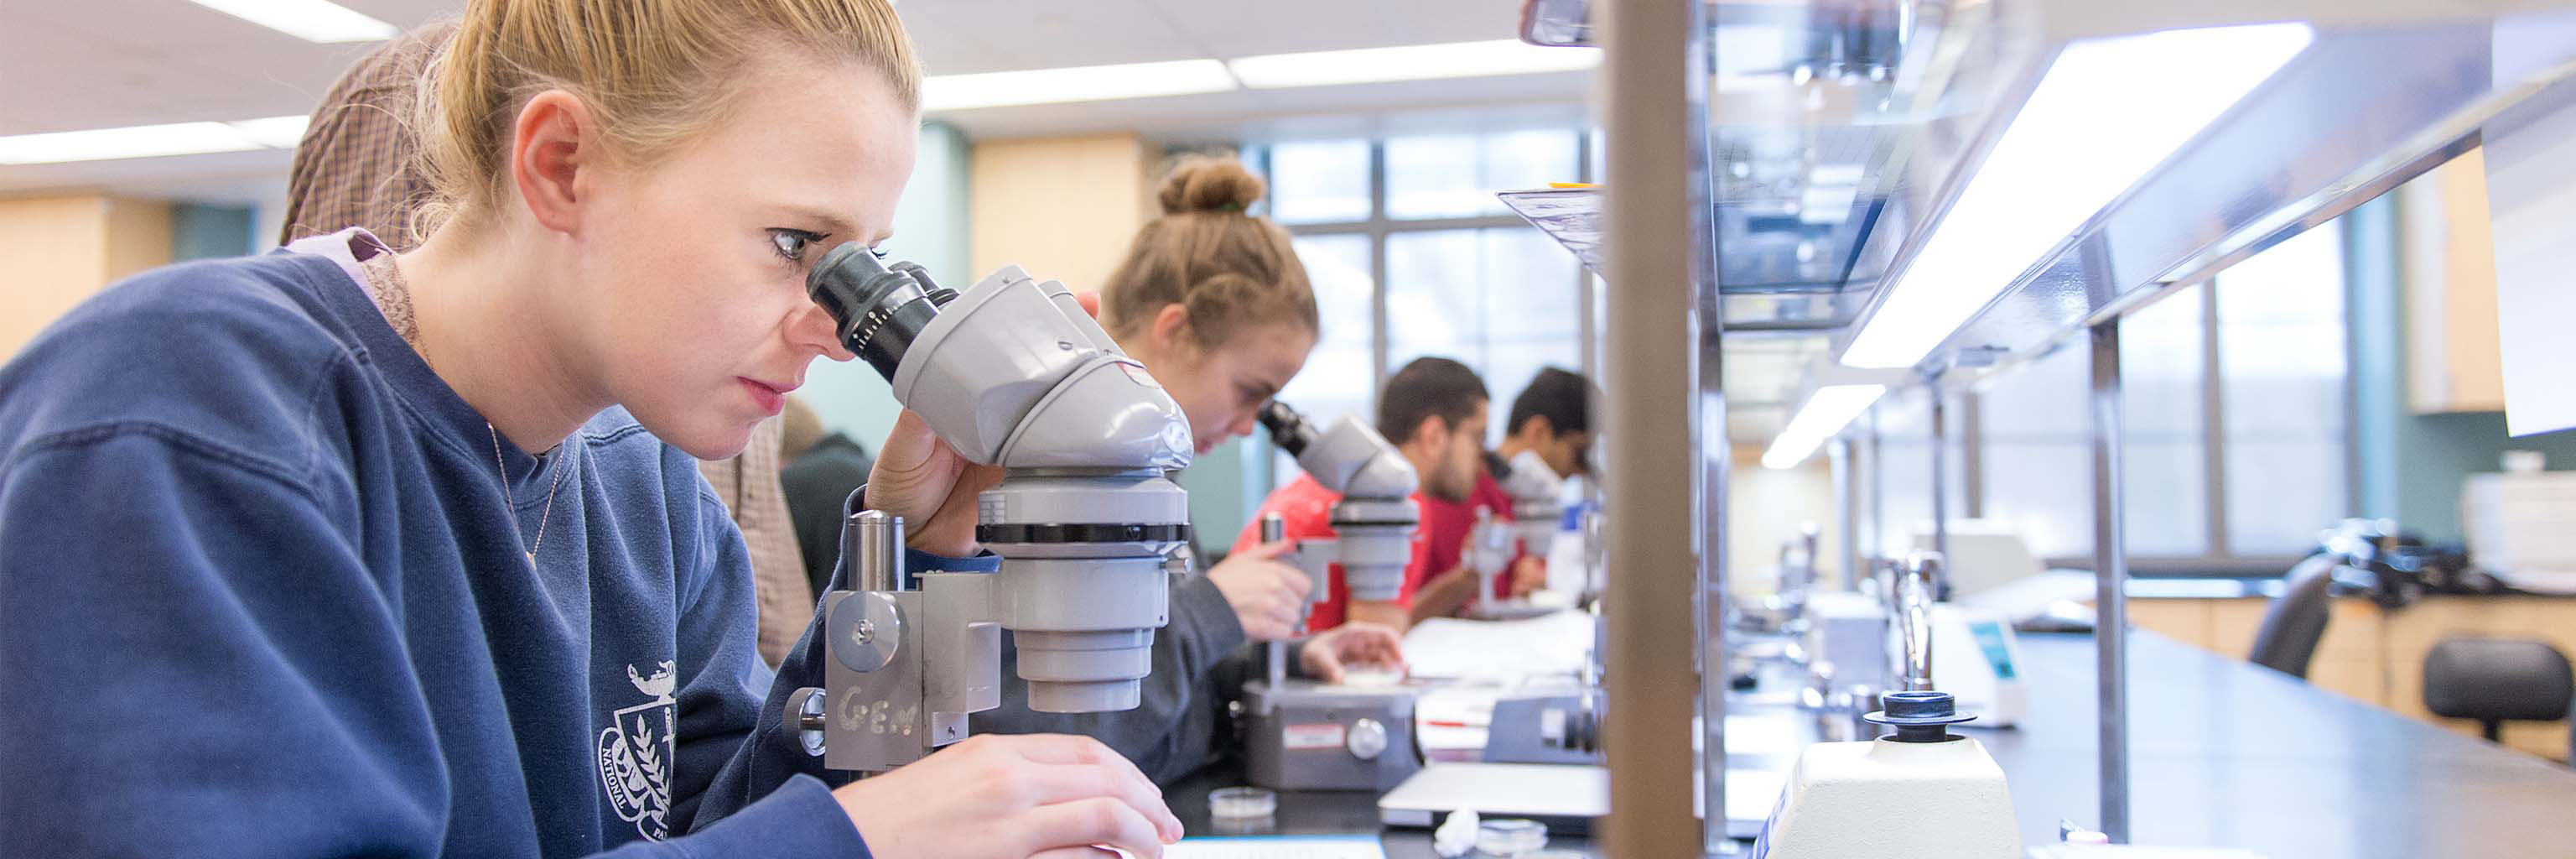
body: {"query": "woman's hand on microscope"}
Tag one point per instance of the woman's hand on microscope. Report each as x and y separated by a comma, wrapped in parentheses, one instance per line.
(933, 487)
(1353, 643)
(1267, 594)
(1009, 797)
(929, 484)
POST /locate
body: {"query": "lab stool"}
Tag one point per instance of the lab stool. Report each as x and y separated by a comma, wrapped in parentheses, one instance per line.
(2496, 679)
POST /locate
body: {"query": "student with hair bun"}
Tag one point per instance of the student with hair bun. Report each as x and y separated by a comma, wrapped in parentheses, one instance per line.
(1216, 305)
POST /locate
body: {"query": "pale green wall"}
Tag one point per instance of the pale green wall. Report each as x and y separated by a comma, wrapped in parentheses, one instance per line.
(930, 229)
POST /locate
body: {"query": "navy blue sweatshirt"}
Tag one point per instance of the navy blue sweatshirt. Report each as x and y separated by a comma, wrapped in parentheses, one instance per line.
(262, 594)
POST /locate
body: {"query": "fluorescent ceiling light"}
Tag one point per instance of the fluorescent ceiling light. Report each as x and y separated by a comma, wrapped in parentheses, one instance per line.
(311, 20)
(1825, 413)
(1084, 83)
(2107, 112)
(1410, 63)
(141, 141)
(152, 141)
(275, 132)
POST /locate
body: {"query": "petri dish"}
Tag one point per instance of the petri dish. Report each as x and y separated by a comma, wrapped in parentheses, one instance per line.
(1510, 837)
(1238, 802)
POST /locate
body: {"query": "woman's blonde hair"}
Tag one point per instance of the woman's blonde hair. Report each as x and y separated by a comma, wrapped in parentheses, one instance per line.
(1227, 269)
(652, 73)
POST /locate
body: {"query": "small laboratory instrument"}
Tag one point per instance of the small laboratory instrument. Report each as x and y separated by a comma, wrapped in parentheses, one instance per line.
(1983, 555)
(1854, 651)
(1013, 373)
(1920, 791)
(1304, 735)
(1538, 507)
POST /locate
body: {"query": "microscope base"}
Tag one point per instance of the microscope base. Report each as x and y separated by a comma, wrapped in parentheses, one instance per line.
(1307, 736)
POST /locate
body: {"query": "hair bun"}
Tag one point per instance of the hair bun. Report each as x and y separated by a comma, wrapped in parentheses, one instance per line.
(1202, 183)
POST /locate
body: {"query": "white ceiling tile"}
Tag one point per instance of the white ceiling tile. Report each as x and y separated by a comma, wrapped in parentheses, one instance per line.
(965, 36)
(1252, 28)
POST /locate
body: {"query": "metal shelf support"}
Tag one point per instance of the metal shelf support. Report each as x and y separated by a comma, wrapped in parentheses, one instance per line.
(2110, 580)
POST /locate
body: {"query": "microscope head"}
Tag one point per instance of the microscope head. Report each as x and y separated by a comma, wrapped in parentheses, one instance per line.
(1013, 373)
(1376, 517)
(1349, 457)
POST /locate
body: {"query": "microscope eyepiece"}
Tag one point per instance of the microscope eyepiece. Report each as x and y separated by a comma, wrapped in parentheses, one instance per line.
(1287, 428)
(878, 312)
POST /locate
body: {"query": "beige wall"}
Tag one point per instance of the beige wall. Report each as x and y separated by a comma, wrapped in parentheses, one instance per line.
(1063, 208)
(1765, 507)
(62, 249)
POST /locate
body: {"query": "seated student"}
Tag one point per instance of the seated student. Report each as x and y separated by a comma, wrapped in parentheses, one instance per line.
(1215, 304)
(1552, 418)
(245, 502)
(1433, 411)
(1550, 421)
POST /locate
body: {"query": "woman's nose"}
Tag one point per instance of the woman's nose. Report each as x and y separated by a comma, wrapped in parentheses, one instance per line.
(812, 327)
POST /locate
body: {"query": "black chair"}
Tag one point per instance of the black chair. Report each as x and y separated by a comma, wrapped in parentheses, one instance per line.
(2295, 620)
(2494, 680)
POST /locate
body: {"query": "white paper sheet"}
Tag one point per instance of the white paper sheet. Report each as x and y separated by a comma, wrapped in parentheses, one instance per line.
(2531, 193)
(1499, 649)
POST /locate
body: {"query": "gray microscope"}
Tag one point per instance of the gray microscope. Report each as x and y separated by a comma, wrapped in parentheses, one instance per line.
(1301, 735)
(1011, 372)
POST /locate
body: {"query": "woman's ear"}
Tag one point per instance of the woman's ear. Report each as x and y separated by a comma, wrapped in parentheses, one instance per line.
(1171, 327)
(549, 145)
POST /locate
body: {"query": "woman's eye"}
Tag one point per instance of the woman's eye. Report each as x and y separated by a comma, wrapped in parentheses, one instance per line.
(879, 252)
(792, 244)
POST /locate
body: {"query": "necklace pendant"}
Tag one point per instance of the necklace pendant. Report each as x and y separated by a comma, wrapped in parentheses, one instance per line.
(532, 559)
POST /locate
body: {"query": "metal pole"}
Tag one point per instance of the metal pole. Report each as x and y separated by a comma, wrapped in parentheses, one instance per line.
(1846, 510)
(1940, 474)
(1877, 497)
(2110, 579)
(874, 545)
(1655, 76)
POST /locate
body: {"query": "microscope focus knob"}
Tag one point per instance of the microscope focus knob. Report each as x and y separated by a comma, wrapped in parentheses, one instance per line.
(805, 718)
(1367, 739)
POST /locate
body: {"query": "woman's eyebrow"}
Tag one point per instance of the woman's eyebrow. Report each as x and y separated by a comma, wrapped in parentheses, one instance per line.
(833, 224)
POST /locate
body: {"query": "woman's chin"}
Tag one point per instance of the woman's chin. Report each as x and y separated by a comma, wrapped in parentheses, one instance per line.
(710, 443)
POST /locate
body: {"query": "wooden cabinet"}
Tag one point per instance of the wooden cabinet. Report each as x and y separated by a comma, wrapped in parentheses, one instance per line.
(2448, 255)
(2377, 657)
(62, 249)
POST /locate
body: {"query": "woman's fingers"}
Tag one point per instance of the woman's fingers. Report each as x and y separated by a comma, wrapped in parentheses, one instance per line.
(1112, 774)
(1054, 785)
(1103, 821)
(1077, 853)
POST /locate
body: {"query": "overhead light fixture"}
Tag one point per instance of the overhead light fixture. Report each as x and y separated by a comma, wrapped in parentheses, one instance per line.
(1082, 83)
(1825, 413)
(311, 20)
(2106, 112)
(1409, 63)
(276, 132)
(141, 141)
(153, 141)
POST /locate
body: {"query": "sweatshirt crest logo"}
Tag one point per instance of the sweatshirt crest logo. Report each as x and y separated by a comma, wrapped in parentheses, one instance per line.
(635, 755)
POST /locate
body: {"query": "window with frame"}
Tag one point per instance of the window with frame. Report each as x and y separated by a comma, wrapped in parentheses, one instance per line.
(2234, 399)
(1413, 255)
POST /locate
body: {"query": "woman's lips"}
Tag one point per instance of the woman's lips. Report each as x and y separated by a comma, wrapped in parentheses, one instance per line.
(771, 399)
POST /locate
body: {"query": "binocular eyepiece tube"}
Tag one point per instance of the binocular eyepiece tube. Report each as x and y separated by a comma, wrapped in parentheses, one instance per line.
(879, 311)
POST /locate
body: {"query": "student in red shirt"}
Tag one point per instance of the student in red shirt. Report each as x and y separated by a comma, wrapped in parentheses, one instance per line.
(1433, 411)
(1550, 422)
